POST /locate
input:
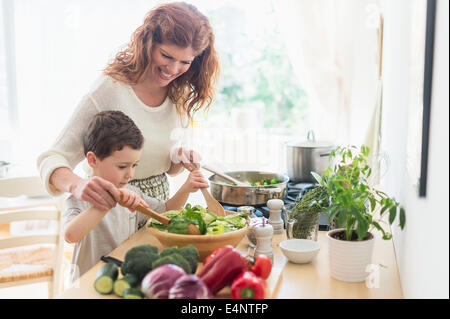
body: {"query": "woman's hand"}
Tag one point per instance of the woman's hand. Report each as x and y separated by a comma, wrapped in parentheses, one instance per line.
(130, 199)
(195, 181)
(97, 191)
(183, 158)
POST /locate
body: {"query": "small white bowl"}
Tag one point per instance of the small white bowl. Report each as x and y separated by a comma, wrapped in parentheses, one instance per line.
(300, 251)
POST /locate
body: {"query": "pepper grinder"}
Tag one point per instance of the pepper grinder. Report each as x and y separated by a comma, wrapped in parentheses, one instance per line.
(275, 207)
(263, 233)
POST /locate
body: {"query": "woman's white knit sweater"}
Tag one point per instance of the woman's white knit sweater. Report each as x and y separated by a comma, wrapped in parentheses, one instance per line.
(159, 125)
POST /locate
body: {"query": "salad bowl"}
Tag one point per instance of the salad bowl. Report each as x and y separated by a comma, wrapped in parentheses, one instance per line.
(204, 243)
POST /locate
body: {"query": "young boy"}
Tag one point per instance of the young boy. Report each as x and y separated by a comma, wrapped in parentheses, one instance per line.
(112, 146)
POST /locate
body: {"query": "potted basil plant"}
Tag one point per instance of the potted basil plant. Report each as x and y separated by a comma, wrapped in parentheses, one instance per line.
(358, 209)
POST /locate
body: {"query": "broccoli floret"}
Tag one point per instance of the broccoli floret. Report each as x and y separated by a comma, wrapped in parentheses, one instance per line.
(175, 259)
(139, 265)
(140, 250)
(190, 253)
(168, 251)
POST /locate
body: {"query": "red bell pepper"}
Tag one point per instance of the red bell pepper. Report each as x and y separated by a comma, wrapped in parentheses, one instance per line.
(260, 265)
(248, 286)
(211, 255)
(222, 268)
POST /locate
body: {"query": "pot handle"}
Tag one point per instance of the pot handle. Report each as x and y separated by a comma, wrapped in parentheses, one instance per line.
(326, 154)
(310, 136)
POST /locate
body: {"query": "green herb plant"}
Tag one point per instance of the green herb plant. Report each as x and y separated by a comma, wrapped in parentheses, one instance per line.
(306, 212)
(353, 201)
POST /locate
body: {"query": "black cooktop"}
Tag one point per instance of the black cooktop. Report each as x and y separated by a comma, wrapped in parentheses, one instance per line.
(294, 192)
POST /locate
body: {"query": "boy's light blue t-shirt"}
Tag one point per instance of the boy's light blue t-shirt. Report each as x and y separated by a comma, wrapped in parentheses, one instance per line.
(116, 227)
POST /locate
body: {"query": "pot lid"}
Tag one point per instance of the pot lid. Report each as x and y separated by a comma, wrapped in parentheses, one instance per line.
(310, 142)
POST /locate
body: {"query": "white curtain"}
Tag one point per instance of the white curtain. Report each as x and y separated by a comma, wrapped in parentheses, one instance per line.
(333, 46)
(61, 47)
(8, 114)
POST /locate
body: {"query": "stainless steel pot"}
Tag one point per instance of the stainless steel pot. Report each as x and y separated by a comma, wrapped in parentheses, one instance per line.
(306, 157)
(226, 193)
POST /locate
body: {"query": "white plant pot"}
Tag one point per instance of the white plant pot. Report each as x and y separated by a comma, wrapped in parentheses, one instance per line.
(349, 259)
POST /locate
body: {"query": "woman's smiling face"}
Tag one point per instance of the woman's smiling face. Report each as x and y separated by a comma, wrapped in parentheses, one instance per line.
(169, 61)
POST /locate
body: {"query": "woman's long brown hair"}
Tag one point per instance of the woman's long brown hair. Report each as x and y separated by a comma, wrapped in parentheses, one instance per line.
(183, 25)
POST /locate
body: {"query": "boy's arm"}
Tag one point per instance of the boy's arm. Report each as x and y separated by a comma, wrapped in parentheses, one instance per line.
(82, 224)
(194, 181)
(178, 200)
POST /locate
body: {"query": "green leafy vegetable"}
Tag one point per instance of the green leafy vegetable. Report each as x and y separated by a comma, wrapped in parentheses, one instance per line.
(178, 225)
(207, 222)
(238, 220)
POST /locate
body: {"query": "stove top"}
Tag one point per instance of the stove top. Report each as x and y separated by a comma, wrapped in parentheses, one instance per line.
(294, 192)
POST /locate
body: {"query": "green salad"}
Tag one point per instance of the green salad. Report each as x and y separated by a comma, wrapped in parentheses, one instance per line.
(207, 222)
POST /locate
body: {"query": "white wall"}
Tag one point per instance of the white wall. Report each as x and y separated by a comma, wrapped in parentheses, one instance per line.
(422, 247)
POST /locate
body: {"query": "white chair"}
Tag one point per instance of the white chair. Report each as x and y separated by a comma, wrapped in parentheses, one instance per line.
(36, 257)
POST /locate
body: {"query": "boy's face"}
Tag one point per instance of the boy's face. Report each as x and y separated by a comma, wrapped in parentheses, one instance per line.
(118, 168)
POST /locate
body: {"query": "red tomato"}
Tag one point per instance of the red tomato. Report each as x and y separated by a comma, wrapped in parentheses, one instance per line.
(261, 266)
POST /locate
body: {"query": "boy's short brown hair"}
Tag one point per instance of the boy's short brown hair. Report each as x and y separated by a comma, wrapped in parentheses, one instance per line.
(110, 131)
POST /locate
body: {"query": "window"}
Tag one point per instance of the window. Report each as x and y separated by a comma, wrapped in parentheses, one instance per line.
(62, 46)
(259, 104)
(256, 68)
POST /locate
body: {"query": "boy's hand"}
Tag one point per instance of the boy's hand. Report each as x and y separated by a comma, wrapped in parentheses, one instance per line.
(130, 199)
(195, 181)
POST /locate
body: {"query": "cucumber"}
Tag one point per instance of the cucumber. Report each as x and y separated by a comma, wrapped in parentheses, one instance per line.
(105, 278)
(133, 293)
(120, 285)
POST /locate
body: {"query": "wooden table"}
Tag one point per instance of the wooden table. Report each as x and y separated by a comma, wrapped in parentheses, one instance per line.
(311, 280)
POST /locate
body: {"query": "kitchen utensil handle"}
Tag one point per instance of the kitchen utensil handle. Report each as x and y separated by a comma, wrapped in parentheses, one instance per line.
(153, 214)
(108, 259)
(149, 212)
(225, 176)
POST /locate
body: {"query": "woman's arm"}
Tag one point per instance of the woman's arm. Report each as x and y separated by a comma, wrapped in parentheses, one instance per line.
(68, 149)
(76, 229)
(100, 193)
(183, 158)
(55, 165)
(175, 169)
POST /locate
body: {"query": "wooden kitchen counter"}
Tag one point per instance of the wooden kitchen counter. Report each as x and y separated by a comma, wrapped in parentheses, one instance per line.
(296, 281)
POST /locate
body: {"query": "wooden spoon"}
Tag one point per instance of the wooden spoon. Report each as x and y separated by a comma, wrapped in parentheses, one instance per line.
(224, 176)
(192, 229)
(213, 205)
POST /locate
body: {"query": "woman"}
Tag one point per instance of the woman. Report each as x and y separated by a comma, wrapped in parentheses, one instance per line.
(166, 73)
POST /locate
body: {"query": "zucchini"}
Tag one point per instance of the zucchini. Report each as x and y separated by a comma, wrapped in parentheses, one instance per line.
(126, 282)
(133, 293)
(105, 278)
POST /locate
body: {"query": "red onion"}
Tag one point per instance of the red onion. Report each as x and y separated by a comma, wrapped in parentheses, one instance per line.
(157, 283)
(189, 287)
